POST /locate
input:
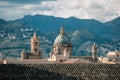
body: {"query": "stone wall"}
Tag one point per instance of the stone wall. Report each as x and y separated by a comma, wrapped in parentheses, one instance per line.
(59, 71)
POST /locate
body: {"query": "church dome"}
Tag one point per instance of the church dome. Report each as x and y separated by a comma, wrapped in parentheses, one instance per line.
(62, 38)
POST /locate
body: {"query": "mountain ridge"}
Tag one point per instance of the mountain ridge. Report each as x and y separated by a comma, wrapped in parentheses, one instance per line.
(83, 33)
(51, 23)
(115, 21)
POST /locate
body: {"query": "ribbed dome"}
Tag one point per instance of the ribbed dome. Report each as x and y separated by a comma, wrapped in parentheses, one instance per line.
(62, 38)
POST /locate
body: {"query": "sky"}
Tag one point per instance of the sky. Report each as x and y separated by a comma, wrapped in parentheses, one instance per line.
(102, 10)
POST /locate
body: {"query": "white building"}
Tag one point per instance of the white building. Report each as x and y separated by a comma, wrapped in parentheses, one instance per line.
(112, 58)
(114, 54)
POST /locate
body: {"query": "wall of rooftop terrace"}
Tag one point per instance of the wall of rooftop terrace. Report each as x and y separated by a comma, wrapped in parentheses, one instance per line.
(59, 71)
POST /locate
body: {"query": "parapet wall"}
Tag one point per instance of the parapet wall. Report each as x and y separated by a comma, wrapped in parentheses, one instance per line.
(59, 71)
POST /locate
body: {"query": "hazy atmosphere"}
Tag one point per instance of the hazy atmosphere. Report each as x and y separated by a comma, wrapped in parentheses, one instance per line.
(102, 10)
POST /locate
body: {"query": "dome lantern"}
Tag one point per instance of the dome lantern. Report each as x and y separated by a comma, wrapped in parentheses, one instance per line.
(62, 31)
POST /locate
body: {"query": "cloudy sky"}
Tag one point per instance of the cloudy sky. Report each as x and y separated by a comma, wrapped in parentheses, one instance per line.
(102, 10)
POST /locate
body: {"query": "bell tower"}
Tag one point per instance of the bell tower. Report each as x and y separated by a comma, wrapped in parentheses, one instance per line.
(94, 52)
(35, 45)
(35, 53)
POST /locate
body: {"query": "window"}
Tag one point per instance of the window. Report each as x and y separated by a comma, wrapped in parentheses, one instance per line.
(117, 55)
(67, 50)
(59, 53)
(35, 50)
(61, 60)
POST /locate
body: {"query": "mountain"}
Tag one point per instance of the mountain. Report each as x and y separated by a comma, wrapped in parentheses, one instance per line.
(114, 30)
(114, 22)
(52, 24)
(83, 33)
(83, 40)
(7, 27)
(3, 22)
(14, 37)
(81, 36)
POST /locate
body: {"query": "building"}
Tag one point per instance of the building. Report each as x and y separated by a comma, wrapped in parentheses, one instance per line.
(35, 53)
(94, 52)
(61, 51)
(114, 56)
(62, 48)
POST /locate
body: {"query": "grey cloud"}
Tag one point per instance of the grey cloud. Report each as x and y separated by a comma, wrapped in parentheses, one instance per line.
(25, 1)
(85, 9)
